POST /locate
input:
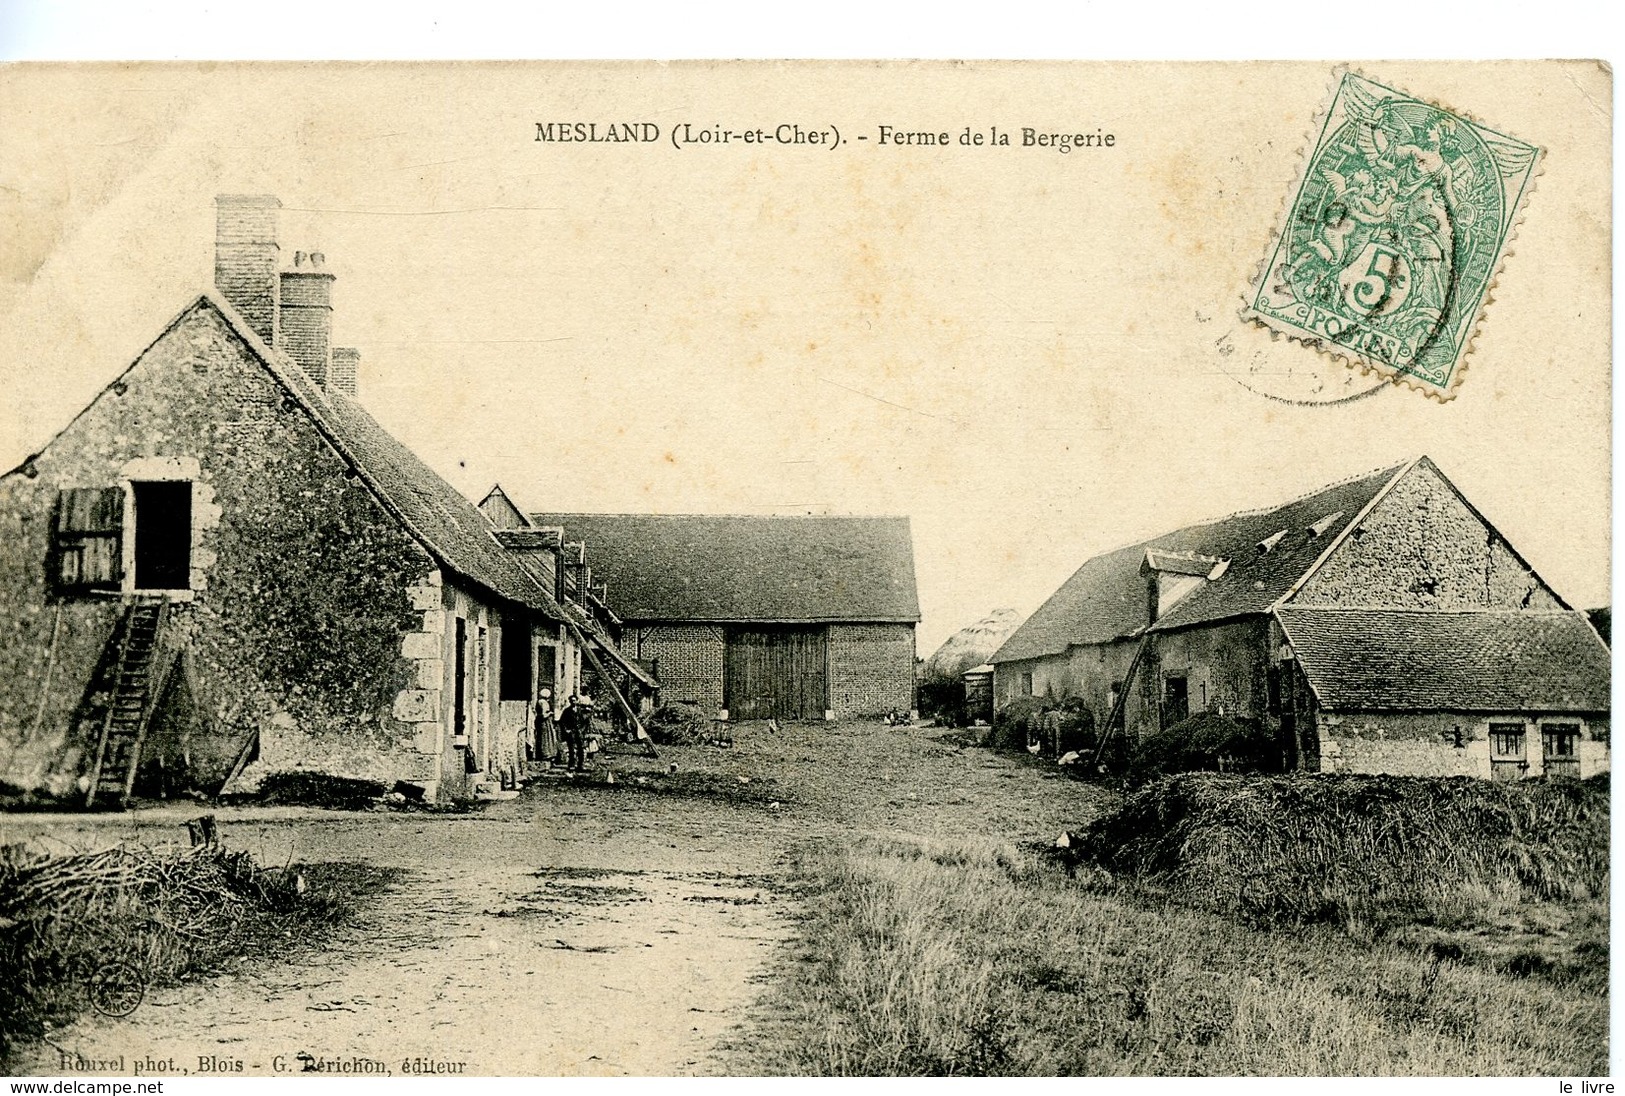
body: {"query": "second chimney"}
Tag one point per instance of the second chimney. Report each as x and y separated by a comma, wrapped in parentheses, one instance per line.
(246, 257)
(305, 320)
(341, 374)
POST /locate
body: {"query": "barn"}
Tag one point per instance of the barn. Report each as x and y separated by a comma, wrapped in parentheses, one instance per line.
(1378, 625)
(758, 616)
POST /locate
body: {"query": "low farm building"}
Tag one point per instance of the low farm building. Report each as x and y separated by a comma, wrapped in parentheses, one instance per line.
(225, 568)
(790, 617)
(1380, 625)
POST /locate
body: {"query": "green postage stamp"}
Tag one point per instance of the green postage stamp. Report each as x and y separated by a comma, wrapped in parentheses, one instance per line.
(1394, 235)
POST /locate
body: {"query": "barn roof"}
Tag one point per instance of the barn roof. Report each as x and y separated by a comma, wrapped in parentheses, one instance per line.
(737, 568)
(1106, 598)
(436, 513)
(1426, 660)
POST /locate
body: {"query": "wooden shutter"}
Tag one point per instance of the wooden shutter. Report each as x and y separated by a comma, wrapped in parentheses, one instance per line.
(89, 537)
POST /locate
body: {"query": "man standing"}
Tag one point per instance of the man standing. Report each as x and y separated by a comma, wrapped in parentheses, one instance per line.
(569, 731)
(591, 741)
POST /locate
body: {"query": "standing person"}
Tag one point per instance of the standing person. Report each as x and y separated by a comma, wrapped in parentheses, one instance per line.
(570, 728)
(547, 730)
(591, 740)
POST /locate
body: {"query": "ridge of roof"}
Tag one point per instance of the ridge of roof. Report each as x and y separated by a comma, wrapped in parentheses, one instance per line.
(1104, 599)
(740, 569)
(535, 515)
(1471, 610)
(342, 422)
(1259, 511)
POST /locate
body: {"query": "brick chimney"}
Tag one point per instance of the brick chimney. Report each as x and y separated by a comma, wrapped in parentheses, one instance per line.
(246, 257)
(305, 317)
(341, 375)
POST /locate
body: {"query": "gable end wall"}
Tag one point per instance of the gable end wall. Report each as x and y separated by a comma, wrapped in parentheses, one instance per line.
(1421, 547)
(300, 577)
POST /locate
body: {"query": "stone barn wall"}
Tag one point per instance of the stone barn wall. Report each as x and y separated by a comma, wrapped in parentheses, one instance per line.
(1224, 665)
(300, 578)
(1421, 547)
(1442, 743)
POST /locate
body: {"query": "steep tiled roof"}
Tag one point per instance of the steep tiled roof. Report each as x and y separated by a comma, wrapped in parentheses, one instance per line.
(1425, 660)
(435, 512)
(1106, 598)
(713, 567)
(449, 525)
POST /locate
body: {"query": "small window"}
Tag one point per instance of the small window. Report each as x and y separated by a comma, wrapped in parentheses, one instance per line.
(1560, 749)
(1507, 758)
(1272, 690)
(163, 535)
(89, 538)
(459, 677)
(1027, 683)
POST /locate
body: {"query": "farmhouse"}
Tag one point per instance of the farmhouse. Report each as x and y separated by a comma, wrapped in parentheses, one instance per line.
(1379, 625)
(791, 617)
(224, 568)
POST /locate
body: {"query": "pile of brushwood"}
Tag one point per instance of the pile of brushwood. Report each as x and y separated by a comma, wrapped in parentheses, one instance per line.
(680, 724)
(1355, 850)
(95, 929)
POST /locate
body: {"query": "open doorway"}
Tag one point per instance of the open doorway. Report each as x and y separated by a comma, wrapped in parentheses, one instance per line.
(163, 534)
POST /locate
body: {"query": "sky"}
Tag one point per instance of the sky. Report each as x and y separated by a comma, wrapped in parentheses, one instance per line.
(1034, 355)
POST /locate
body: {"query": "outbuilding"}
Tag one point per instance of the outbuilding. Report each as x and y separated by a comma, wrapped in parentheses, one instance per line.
(1378, 625)
(801, 618)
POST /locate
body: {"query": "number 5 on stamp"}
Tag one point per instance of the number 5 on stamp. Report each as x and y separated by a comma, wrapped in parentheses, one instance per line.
(1394, 235)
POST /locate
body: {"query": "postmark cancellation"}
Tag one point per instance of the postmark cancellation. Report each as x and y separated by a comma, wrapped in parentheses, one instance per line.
(1394, 234)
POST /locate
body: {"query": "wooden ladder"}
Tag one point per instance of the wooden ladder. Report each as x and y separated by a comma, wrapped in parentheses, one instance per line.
(1118, 709)
(133, 694)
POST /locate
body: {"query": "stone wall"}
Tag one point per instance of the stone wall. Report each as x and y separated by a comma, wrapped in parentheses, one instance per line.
(300, 578)
(871, 669)
(1224, 666)
(1442, 743)
(1052, 675)
(1093, 671)
(1421, 547)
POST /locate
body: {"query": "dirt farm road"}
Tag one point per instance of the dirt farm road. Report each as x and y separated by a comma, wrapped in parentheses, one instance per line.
(577, 930)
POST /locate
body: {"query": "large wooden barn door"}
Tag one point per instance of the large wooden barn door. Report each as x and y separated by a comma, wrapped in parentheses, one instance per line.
(775, 672)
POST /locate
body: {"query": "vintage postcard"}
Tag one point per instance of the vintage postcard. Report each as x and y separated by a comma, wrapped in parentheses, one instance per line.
(577, 569)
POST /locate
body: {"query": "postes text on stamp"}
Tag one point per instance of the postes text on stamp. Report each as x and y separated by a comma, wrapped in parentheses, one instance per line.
(1394, 234)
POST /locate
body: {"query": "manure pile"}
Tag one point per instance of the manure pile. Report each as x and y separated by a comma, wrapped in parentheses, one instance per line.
(1354, 848)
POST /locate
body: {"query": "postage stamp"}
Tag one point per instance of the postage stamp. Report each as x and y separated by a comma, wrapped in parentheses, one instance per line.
(1394, 234)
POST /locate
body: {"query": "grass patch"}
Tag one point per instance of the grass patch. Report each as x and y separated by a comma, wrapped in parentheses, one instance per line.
(931, 958)
(148, 918)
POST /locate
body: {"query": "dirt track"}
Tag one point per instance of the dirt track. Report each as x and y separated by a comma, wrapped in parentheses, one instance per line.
(597, 930)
